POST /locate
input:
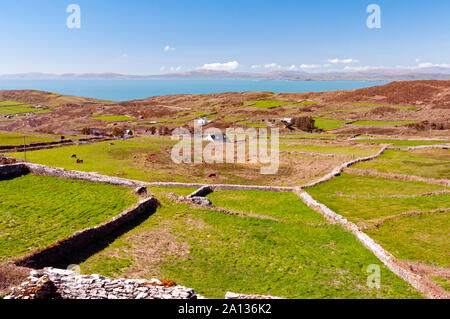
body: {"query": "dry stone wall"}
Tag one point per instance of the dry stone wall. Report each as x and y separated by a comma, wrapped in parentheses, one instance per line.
(51, 283)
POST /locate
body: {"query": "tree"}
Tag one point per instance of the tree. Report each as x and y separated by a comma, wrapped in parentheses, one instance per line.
(304, 123)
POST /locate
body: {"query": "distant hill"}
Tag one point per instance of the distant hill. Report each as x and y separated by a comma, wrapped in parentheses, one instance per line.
(382, 74)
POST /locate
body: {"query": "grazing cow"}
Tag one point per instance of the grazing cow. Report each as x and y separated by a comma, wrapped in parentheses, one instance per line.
(74, 156)
(79, 161)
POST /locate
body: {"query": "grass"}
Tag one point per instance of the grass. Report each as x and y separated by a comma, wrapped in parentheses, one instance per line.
(420, 237)
(281, 206)
(432, 163)
(400, 107)
(401, 143)
(11, 103)
(328, 124)
(312, 135)
(117, 160)
(11, 110)
(149, 159)
(267, 104)
(113, 118)
(425, 238)
(363, 208)
(288, 145)
(17, 138)
(214, 253)
(383, 122)
(35, 211)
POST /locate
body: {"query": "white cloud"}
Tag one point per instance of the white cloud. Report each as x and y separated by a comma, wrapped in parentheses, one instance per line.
(310, 66)
(272, 66)
(175, 68)
(430, 65)
(417, 60)
(228, 66)
(256, 66)
(363, 68)
(293, 68)
(345, 61)
(168, 48)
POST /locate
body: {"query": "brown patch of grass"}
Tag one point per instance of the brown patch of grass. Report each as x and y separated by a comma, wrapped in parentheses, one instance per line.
(10, 276)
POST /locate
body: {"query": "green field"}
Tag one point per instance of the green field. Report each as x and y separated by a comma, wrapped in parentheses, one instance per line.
(17, 138)
(401, 143)
(286, 207)
(10, 103)
(11, 110)
(424, 238)
(117, 160)
(352, 196)
(113, 118)
(383, 122)
(312, 136)
(433, 163)
(266, 104)
(36, 211)
(400, 107)
(328, 124)
(291, 145)
(216, 252)
(420, 237)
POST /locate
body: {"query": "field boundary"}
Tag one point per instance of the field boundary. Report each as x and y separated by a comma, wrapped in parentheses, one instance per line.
(48, 145)
(408, 178)
(340, 168)
(44, 170)
(427, 288)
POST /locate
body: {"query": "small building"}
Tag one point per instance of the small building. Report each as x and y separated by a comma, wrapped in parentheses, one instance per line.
(128, 133)
(216, 138)
(288, 120)
(96, 131)
(202, 121)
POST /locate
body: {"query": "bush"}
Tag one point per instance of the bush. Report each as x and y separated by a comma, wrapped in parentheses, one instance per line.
(118, 131)
(304, 123)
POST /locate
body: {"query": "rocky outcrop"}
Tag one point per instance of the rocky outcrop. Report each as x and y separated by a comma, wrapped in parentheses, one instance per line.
(51, 283)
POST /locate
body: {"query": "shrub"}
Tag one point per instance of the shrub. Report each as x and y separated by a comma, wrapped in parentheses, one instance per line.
(118, 131)
(305, 123)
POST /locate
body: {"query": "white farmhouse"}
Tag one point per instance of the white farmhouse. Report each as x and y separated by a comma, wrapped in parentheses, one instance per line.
(202, 121)
(217, 138)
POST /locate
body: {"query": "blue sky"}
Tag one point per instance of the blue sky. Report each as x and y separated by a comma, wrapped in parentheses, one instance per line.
(237, 35)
